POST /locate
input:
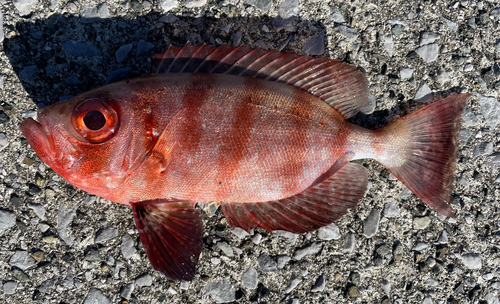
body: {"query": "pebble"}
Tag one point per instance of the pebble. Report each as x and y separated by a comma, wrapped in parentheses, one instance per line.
(315, 46)
(452, 26)
(143, 47)
(167, 5)
(38, 209)
(329, 232)
(267, 263)
(424, 93)
(493, 161)
(386, 286)
(19, 275)
(28, 74)
(126, 291)
(68, 280)
(222, 291)
(105, 234)
(93, 255)
(370, 105)
(353, 291)
(118, 75)
(420, 246)
(469, 118)
(484, 148)
(398, 22)
(371, 223)
(406, 73)
(93, 14)
(2, 35)
(320, 284)
(127, 247)
(349, 243)
(472, 261)
(95, 296)
(337, 16)
(195, 3)
(428, 37)
(3, 117)
(22, 260)
(388, 44)
(292, 237)
(257, 238)
(491, 299)
(347, 32)
(64, 218)
(144, 280)
(79, 49)
(428, 52)
(288, 8)
(168, 18)
(237, 38)
(250, 278)
(427, 300)
(240, 233)
(7, 220)
(215, 260)
(25, 7)
(443, 238)
(312, 248)
(9, 287)
(47, 285)
(282, 260)
(262, 5)
(396, 30)
(490, 108)
(391, 210)
(226, 249)
(442, 77)
(292, 284)
(122, 52)
(420, 223)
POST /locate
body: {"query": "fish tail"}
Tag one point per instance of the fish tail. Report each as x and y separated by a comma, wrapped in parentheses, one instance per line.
(420, 150)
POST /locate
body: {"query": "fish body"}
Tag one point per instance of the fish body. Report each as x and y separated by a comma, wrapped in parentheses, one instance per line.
(251, 129)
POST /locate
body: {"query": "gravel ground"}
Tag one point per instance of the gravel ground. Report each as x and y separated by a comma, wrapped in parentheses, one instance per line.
(60, 245)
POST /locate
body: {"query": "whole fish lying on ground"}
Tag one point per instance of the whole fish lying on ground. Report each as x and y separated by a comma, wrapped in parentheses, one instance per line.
(262, 132)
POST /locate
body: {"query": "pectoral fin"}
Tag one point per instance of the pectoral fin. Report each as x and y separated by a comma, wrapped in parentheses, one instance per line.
(172, 235)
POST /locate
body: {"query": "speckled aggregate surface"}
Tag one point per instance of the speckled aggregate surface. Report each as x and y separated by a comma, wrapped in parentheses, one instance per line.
(61, 245)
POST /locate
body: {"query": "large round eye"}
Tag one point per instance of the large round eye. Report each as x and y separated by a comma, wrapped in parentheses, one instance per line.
(95, 120)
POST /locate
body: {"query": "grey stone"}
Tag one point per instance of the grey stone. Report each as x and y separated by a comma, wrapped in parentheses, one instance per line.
(267, 263)
(250, 278)
(2, 35)
(38, 209)
(428, 37)
(289, 25)
(195, 3)
(72, 80)
(256, 238)
(168, 18)
(122, 52)
(7, 220)
(288, 8)
(491, 299)
(263, 5)
(443, 238)
(237, 38)
(391, 210)
(95, 296)
(427, 300)
(452, 26)
(28, 74)
(311, 248)
(93, 255)
(464, 135)
(442, 77)
(396, 30)
(337, 16)
(143, 47)
(22, 260)
(472, 261)
(64, 218)
(424, 93)
(127, 247)
(349, 243)
(79, 49)
(428, 52)
(433, 283)
(144, 280)
(386, 287)
(370, 105)
(117, 75)
(420, 246)
(25, 6)
(319, 285)
(420, 223)
(292, 237)
(282, 260)
(167, 5)
(330, 232)
(493, 161)
(240, 233)
(9, 287)
(406, 73)
(105, 234)
(398, 22)
(315, 46)
(93, 14)
(226, 248)
(484, 148)
(222, 291)
(490, 108)
(47, 285)
(469, 118)
(68, 280)
(292, 284)
(388, 44)
(347, 32)
(126, 291)
(370, 224)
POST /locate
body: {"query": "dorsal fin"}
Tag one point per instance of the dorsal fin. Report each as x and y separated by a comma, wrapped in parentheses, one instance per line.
(339, 84)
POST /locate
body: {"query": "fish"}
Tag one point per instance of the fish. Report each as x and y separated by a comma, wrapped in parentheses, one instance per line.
(264, 133)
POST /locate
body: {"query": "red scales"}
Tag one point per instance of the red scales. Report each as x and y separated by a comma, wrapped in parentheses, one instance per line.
(263, 132)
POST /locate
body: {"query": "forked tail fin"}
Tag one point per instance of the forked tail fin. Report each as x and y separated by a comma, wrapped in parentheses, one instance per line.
(420, 150)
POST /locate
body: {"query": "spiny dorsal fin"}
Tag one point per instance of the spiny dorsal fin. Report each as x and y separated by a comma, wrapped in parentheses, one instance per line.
(337, 83)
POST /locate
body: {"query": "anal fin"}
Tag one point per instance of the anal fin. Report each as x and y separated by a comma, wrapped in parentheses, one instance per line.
(172, 235)
(316, 207)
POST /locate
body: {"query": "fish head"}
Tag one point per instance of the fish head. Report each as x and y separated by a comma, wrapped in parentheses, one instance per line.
(84, 139)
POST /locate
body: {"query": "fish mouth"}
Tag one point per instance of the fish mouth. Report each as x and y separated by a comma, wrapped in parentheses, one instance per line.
(39, 139)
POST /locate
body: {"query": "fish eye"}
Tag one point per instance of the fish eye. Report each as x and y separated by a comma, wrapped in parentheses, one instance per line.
(95, 120)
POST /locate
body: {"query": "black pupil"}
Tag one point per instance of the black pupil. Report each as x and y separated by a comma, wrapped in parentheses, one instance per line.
(94, 120)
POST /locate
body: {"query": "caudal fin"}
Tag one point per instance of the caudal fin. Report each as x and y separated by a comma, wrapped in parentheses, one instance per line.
(423, 148)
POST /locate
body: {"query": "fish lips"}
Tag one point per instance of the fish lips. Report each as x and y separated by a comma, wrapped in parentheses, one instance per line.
(39, 139)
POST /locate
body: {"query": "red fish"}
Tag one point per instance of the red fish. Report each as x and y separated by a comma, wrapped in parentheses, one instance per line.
(263, 132)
